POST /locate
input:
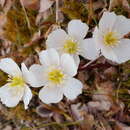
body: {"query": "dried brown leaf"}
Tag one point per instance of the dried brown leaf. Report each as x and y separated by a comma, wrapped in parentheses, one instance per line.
(45, 5)
(31, 4)
(2, 2)
(121, 126)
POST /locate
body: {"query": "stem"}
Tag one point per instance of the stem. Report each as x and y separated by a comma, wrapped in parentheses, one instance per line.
(28, 22)
(90, 16)
(90, 62)
(60, 124)
(33, 42)
(117, 92)
(57, 10)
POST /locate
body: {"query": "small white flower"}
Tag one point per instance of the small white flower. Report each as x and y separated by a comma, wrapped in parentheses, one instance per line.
(16, 89)
(56, 75)
(109, 37)
(73, 43)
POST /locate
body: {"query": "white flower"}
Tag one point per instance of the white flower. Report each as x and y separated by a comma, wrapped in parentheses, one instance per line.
(109, 37)
(16, 89)
(73, 43)
(56, 75)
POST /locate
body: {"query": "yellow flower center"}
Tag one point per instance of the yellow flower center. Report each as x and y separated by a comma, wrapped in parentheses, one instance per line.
(16, 81)
(110, 38)
(70, 47)
(56, 76)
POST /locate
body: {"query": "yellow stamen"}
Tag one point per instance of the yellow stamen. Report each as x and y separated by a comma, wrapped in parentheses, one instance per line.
(16, 81)
(110, 38)
(56, 76)
(70, 47)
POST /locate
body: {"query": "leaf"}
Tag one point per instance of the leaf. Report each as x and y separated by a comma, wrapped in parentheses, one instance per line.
(45, 5)
(2, 2)
(31, 4)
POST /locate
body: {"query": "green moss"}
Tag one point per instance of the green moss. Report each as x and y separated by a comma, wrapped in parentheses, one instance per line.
(3, 78)
(75, 10)
(120, 11)
(16, 27)
(124, 91)
(124, 96)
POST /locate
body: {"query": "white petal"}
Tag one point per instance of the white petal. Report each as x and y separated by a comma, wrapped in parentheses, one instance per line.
(49, 57)
(29, 77)
(27, 96)
(88, 49)
(122, 51)
(39, 72)
(51, 94)
(107, 21)
(77, 60)
(72, 88)
(122, 25)
(68, 65)
(77, 29)
(119, 53)
(56, 39)
(97, 36)
(9, 67)
(10, 96)
(108, 53)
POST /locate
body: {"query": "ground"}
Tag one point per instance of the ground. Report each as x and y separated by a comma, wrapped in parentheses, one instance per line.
(105, 101)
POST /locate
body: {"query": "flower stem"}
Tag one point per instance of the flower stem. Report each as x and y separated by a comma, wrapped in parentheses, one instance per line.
(87, 64)
(57, 11)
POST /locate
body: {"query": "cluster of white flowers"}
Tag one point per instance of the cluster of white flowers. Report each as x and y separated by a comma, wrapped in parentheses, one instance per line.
(60, 60)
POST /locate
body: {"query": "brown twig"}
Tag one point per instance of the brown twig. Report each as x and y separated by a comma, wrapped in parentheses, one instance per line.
(34, 41)
(90, 16)
(92, 66)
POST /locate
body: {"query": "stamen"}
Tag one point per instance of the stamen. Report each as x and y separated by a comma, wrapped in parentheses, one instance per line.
(16, 81)
(110, 38)
(70, 47)
(56, 76)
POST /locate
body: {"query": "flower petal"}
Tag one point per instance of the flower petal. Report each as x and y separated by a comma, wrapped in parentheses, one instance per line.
(27, 96)
(77, 60)
(107, 21)
(29, 77)
(49, 57)
(77, 29)
(39, 72)
(88, 49)
(51, 94)
(68, 65)
(98, 39)
(10, 96)
(56, 39)
(122, 25)
(122, 51)
(9, 67)
(108, 53)
(72, 88)
(119, 53)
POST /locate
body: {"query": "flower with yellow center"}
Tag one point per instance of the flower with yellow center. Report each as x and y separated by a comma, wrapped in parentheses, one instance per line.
(70, 47)
(109, 37)
(16, 81)
(73, 43)
(16, 89)
(56, 75)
